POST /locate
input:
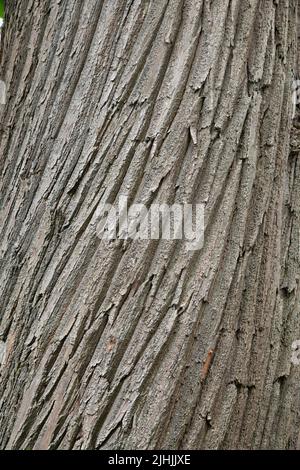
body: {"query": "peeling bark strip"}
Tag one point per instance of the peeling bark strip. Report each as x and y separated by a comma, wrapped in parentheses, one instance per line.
(206, 364)
(106, 343)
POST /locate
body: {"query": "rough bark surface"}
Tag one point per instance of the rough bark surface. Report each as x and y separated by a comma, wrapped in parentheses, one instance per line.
(117, 345)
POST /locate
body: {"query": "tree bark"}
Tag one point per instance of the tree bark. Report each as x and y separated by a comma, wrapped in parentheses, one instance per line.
(143, 344)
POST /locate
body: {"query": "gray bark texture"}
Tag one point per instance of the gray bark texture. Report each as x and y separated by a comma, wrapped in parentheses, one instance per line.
(143, 344)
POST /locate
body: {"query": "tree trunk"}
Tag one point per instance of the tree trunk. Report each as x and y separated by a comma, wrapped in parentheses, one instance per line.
(143, 344)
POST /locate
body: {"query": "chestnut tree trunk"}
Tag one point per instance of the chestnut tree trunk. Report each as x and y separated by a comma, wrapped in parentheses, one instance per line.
(143, 344)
